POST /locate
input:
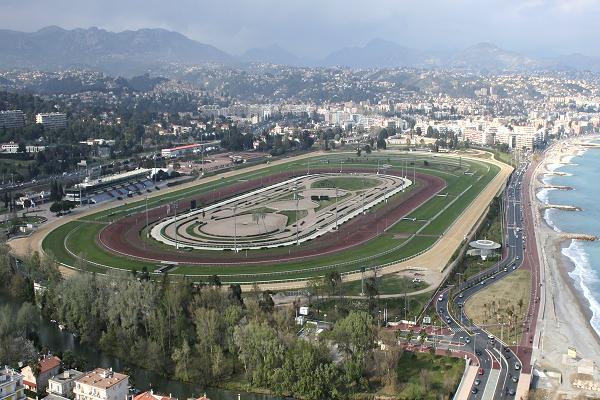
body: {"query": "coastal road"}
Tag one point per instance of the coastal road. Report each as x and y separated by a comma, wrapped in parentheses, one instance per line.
(501, 364)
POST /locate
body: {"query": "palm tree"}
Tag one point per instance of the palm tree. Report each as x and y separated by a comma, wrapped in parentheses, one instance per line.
(520, 304)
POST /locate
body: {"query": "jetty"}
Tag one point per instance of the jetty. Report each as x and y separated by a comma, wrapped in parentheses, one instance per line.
(560, 207)
(557, 187)
(587, 144)
(579, 236)
(556, 173)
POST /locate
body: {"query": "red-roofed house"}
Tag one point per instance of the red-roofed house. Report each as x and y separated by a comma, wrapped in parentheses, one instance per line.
(150, 395)
(38, 382)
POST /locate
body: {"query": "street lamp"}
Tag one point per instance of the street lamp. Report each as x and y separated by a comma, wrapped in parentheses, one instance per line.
(176, 231)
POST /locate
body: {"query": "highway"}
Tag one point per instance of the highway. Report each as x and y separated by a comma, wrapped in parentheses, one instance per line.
(500, 367)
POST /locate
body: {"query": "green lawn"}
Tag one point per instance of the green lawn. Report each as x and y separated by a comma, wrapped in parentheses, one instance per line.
(395, 245)
(426, 376)
(388, 284)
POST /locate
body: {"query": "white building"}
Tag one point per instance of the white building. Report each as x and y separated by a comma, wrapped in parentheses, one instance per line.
(63, 383)
(11, 385)
(101, 384)
(53, 120)
(13, 147)
(12, 119)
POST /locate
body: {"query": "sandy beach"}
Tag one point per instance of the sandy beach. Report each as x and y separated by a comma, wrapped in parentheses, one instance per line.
(564, 316)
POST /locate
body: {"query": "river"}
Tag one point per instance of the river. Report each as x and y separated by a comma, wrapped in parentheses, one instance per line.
(58, 341)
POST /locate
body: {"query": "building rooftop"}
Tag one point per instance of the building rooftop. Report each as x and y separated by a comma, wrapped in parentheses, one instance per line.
(67, 375)
(150, 395)
(8, 375)
(48, 363)
(102, 378)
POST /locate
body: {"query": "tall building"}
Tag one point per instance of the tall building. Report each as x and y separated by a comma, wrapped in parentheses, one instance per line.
(12, 119)
(11, 385)
(53, 120)
(102, 384)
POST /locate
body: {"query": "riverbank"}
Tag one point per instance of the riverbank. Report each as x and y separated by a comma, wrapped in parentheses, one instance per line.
(565, 314)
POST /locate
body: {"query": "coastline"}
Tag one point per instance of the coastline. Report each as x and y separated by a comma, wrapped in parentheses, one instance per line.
(566, 314)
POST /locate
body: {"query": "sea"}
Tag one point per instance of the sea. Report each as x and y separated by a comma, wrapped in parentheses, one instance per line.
(582, 173)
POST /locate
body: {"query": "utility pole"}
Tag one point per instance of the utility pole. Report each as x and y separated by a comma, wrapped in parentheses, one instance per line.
(336, 209)
(176, 235)
(362, 281)
(147, 233)
(297, 224)
(235, 228)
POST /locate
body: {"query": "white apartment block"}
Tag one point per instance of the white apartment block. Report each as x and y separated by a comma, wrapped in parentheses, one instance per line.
(101, 384)
(53, 120)
(11, 385)
(12, 119)
(63, 383)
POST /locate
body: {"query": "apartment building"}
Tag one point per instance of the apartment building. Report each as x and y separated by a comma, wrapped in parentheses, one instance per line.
(38, 382)
(11, 385)
(101, 384)
(12, 119)
(62, 384)
(53, 120)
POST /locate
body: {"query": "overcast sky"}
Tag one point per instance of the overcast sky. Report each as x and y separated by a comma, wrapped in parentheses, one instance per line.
(316, 27)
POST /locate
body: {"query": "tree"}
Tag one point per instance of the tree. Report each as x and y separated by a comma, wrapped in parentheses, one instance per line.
(355, 335)
(333, 279)
(22, 148)
(27, 204)
(214, 280)
(358, 151)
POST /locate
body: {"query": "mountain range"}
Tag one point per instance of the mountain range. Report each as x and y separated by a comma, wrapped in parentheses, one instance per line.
(133, 52)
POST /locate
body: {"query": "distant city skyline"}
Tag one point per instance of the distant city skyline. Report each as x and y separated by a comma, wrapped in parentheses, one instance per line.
(312, 29)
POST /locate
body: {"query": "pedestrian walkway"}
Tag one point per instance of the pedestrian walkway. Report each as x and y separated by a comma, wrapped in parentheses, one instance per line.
(490, 386)
(464, 389)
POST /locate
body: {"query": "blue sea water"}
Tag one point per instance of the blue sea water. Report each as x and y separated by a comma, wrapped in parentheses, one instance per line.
(583, 174)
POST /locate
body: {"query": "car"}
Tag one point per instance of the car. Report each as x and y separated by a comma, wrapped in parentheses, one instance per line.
(459, 304)
(460, 296)
(505, 269)
(506, 349)
(467, 340)
(511, 392)
(441, 298)
(474, 390)
(481, 371)
(514, 267)
(514, 378)
(478, 353)
(517, 366)
(482, 283)
(477, 382)
(518, 258)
